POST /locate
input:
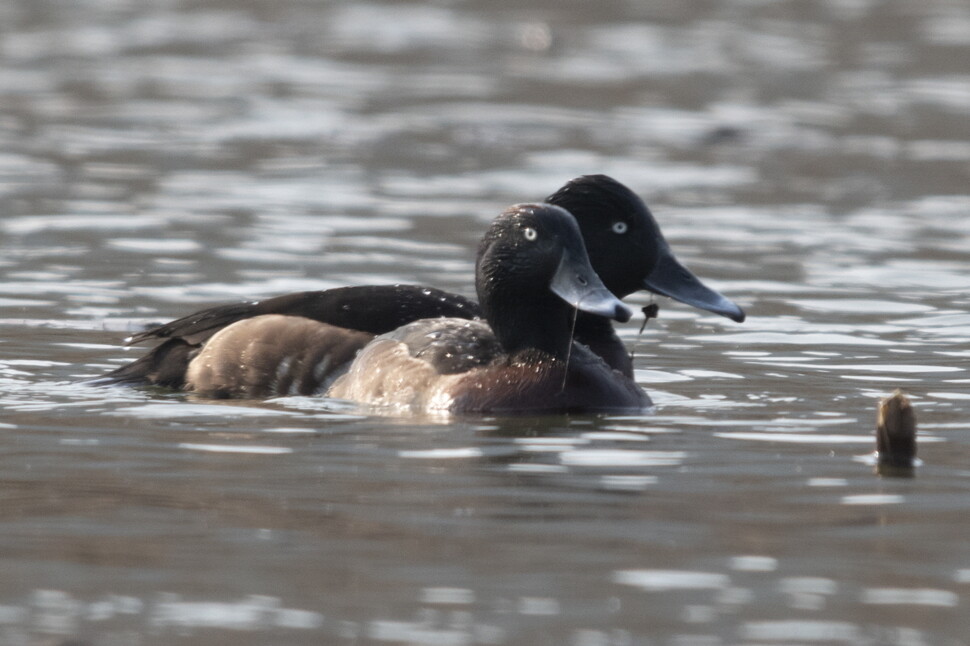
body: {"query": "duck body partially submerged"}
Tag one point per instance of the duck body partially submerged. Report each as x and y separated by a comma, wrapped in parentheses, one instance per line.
(625, 247)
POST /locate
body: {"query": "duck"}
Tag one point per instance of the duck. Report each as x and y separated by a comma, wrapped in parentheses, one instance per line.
(630, 254)
(625, 246)
(532, 277)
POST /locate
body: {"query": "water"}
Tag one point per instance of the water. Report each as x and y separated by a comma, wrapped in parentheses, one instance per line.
(810, 161)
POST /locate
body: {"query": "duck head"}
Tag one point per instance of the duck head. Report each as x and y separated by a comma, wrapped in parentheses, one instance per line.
(627, 249)
(531, 272)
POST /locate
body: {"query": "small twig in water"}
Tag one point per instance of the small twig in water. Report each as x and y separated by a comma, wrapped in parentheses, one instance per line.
(650, 311)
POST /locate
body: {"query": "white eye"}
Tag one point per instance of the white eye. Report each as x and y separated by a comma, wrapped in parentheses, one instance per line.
(619, 227)
(530, 234)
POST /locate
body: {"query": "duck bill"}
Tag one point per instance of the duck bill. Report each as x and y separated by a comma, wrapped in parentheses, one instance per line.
(576, 283)
(670, 278)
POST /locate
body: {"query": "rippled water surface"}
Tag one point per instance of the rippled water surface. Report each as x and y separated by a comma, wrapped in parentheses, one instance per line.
(810, 160)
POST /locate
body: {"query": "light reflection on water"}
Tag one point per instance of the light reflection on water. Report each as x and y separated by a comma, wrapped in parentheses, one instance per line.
(809, 162)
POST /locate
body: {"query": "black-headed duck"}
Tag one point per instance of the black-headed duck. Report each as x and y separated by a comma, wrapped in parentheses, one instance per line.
(532, 275)
(625, 247)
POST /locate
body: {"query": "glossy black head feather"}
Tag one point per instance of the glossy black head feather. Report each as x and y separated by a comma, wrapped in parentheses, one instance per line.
(621, 235)
(532, 270)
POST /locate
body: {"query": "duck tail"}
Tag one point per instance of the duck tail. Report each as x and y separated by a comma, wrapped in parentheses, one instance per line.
(164, 366)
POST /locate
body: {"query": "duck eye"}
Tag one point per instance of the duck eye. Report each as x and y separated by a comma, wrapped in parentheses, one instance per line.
(530, 234)
(620, 227)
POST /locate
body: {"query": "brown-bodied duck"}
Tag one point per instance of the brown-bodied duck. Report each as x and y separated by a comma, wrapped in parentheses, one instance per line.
(532, 275)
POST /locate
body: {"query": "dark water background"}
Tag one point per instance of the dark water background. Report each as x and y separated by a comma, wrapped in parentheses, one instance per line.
(809, 159)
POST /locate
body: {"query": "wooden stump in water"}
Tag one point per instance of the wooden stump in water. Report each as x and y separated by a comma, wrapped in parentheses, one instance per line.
(896, 436)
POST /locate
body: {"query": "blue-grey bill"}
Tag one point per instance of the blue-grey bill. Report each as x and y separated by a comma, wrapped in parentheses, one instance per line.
(576, 283)
(670, 278)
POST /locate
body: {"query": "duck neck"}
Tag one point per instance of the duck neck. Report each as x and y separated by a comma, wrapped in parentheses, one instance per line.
(530, 321)
(598, 334)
